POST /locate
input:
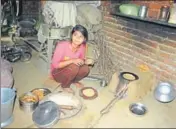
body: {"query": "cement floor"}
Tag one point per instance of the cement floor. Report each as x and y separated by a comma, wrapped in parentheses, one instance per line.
(32, 75)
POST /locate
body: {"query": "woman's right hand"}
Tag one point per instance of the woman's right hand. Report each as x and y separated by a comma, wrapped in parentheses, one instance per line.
(78, 61)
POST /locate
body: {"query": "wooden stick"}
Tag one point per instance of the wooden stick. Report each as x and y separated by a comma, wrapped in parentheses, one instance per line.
(112, 102)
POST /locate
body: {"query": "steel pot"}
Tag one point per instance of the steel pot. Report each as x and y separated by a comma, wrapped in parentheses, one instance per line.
(142, 11)
(28, 106)
(164, 13)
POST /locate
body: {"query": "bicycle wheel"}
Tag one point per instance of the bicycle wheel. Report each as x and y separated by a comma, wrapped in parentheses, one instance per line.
(26, 56)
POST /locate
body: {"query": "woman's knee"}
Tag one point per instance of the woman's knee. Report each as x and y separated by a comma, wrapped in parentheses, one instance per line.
(85, 69)
(73, 67)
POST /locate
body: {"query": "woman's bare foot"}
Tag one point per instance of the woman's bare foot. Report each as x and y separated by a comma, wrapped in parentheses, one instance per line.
(69, 90)
(78, 85)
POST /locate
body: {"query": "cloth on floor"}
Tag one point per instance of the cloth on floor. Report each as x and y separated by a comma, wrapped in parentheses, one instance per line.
(6, 65)
(41, 37)
(6, 74)
(60, 14)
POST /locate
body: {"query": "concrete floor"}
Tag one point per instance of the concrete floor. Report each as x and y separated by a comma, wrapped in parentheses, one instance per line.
(32, 75)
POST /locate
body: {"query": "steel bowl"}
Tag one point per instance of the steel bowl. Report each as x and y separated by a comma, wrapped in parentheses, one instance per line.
(28, 106)
(165, 92)
(138, 109)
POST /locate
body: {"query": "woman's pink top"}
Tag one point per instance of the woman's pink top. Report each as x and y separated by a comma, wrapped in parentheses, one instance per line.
(64, 52)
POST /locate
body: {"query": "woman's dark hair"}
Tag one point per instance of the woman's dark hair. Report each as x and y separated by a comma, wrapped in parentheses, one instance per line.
(81, 29)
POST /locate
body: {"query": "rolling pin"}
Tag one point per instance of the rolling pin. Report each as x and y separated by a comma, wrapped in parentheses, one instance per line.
(67, 107)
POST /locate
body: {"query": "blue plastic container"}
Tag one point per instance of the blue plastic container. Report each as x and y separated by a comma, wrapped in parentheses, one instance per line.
(7, 104)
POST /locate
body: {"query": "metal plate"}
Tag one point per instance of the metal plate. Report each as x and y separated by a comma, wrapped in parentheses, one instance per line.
(88, 97)
(45, 91)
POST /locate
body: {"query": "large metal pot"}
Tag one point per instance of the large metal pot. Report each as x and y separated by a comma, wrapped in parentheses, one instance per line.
(28, 106)
(26, 22)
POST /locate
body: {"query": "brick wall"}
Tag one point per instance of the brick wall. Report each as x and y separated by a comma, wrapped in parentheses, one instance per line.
(134, 42)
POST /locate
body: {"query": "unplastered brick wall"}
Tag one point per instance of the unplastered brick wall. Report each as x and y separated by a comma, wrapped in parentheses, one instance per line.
(133, 42)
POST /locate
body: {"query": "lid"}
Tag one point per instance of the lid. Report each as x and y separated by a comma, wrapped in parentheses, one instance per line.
(46, 114)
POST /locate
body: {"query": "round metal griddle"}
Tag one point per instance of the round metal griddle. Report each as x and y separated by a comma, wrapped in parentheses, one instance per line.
(129, 73)
(88, 97)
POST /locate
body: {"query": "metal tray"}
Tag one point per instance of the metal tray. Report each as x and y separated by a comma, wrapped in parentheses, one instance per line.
(88, 97)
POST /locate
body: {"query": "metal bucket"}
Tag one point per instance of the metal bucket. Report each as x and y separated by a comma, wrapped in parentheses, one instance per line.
(7, 104)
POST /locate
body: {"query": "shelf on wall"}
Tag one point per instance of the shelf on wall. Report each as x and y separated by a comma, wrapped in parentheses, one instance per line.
(145, 19)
